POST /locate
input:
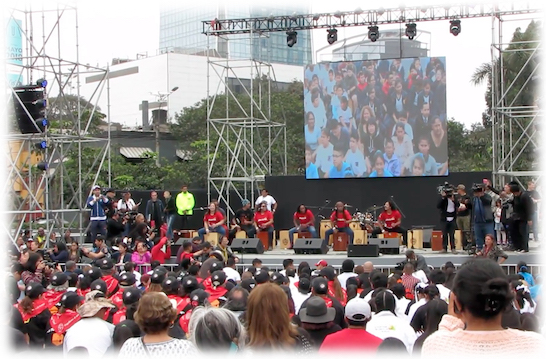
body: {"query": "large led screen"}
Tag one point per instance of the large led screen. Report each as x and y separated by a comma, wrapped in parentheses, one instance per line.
(376, 118)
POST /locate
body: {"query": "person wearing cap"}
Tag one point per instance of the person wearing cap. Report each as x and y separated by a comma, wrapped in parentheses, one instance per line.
(301, 293)
(91, 331)
(64, 319)
(304, 221)
(319, 288)
(184, 205)
(126, 280)
(171, 287)
(317, 320)
(243, 221)
(321, 264)
(129, 300)
(34, 314)
(106, 266)
(334, 287)
(355, 337)
(98, 204)
(198, 297)
(231, 271)
(216, 289)
(54, 292)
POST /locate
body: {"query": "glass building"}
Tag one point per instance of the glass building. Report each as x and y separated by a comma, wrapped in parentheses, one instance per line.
(181, 31)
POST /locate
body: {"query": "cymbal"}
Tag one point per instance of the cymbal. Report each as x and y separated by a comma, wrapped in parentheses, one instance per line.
(374, 208)
(348, 205)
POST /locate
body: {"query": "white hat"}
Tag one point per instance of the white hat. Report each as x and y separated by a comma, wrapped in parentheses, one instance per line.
(358, 310)
(95, 187)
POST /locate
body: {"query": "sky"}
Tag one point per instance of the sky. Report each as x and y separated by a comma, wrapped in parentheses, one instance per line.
(123, 29)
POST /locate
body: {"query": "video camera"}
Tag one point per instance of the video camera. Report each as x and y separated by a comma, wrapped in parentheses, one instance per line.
(477, 187)
(447, 188)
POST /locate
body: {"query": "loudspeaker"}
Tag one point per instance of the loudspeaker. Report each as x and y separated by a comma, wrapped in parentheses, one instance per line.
(365, 250)
(29, 99)
(310, 246)
(247, 245)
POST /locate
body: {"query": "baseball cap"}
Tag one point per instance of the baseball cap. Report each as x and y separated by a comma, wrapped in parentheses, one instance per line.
(198, 297)
(216, 266)
(59, 279)
(34, 290)
(99, 285)
(158, 276)
(94, 273)
(127, 279)
(70, 300)
(328, 272)
(245, 201)
(189, 284)
(322, 262)
(320, 285)
(304, 285)
(218, 278)
(95, 187)
(262, 277)
(110, 190)
(358, 310)
(249, 284)
(170, 285)
(278, 278)
(131, 296)
(106, 264)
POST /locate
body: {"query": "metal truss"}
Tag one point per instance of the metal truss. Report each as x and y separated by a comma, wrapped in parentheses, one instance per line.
(514, 126)
(365, 17)
(243, 140)
(51, 195)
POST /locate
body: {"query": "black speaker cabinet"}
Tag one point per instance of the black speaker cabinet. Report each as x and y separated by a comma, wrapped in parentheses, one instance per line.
(247, 245)
(366, 250)
(310, 246)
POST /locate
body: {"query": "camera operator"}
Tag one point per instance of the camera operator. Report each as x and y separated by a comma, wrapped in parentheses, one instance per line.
(448, 205)
(110, 206)
(463, 215)
(482, 216)
(98, 204)
(141, 229)
(522, 217)
(114, 227)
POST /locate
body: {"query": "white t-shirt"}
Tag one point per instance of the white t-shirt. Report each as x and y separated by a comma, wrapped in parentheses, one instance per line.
(386, 325)
(133, 348)
(325, 157)
(126, 206)
(298, 299)
(444, 292)
(413, 308)
(94, 334)
(232, 274)
(268, 199)
(342, 278)
(357, 162)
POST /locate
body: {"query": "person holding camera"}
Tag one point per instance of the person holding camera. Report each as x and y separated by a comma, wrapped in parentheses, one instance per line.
(463, 215)
(522, 217)
(482, 216)
(115, 226)
(98, 204)
(448, 206)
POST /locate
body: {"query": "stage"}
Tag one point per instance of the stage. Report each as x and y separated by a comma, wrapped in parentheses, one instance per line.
(274, 258)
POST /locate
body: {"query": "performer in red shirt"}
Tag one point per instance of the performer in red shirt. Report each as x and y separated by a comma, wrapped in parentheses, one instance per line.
(389, 221)
(304, 221)
(340, 218)
(263, 220)
(213, 222)
(161, 251)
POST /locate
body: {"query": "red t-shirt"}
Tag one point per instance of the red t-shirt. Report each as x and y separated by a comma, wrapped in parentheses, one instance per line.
(336, 215)
(390, 219)
(304, 218)
(212, 219)
(350, 340)
(262, 218)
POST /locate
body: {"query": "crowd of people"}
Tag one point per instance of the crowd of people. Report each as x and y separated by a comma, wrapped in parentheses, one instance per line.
(212, 305)
(372, 118)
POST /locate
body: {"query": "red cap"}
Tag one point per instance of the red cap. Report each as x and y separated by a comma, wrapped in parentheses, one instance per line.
(322, 262)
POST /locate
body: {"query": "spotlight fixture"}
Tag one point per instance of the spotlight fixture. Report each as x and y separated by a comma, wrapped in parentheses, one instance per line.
(41, 82)
(332, 36)
(411, 31)
(373, 33)
(291, 38)
(455, 27)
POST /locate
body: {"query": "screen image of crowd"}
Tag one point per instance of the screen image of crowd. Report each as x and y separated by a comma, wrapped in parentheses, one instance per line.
(384, 118)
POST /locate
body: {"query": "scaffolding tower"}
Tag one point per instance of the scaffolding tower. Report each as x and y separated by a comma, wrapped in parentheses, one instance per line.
(515, 116)
(53, 198)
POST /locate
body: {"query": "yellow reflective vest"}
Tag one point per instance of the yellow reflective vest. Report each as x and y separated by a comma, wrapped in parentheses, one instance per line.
(185, 203)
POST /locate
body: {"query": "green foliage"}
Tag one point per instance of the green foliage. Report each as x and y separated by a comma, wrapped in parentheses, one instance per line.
(63, 115)
(469, 149)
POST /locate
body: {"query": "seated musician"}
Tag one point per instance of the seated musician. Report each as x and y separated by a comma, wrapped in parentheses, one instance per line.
(389, 221)
(213, 221)
(263, 221)
(304, 221)
(340, 218)
(243, 221)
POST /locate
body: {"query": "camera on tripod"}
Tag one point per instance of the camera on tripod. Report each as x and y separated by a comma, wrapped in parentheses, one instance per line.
(477, 187)
(446, 188)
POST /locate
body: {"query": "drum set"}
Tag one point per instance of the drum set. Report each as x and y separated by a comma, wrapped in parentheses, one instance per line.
(367, 219)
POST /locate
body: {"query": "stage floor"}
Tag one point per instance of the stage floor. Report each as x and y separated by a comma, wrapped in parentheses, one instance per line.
(434, 258)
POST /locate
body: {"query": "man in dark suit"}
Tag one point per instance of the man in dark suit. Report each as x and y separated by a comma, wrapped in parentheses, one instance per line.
(448, 206)
(522, 217)
(154, 211)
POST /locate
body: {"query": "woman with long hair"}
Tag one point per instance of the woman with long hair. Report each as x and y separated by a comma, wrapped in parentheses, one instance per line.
(268, 323)
(473, 326)
(390, 220)
(35, 270)
(334, 286)
(213, 221)
(35, 314)
(304, 221)
(74, 252)
(436, 309)
(216, 329)
(155, 315)
(59, 253)
(142, 257)
(491, 251)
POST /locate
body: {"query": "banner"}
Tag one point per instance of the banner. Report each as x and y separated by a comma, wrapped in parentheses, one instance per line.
(376, 118)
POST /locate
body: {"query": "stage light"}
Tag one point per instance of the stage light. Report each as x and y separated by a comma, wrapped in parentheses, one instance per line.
(332, 36)
(42, 166)
(42, 145)
(291, 38)
(373, 33)
(41, 82)
(45, 122)
(411, 31)
(455, 27)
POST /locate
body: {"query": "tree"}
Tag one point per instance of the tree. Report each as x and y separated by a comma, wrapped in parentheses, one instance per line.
(469, 149)
(63, 115)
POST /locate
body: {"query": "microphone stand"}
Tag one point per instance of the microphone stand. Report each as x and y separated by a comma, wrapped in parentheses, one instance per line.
(397, 206)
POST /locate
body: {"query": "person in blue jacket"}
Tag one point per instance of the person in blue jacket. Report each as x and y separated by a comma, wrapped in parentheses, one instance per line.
(97, 203)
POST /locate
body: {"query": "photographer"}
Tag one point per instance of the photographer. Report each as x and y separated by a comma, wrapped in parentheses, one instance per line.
(463, 215)
(114, 227)
(482, 216)
(522, 216)
(448, 206)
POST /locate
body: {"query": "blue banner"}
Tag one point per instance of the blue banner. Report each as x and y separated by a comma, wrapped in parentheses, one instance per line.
(14, 42)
